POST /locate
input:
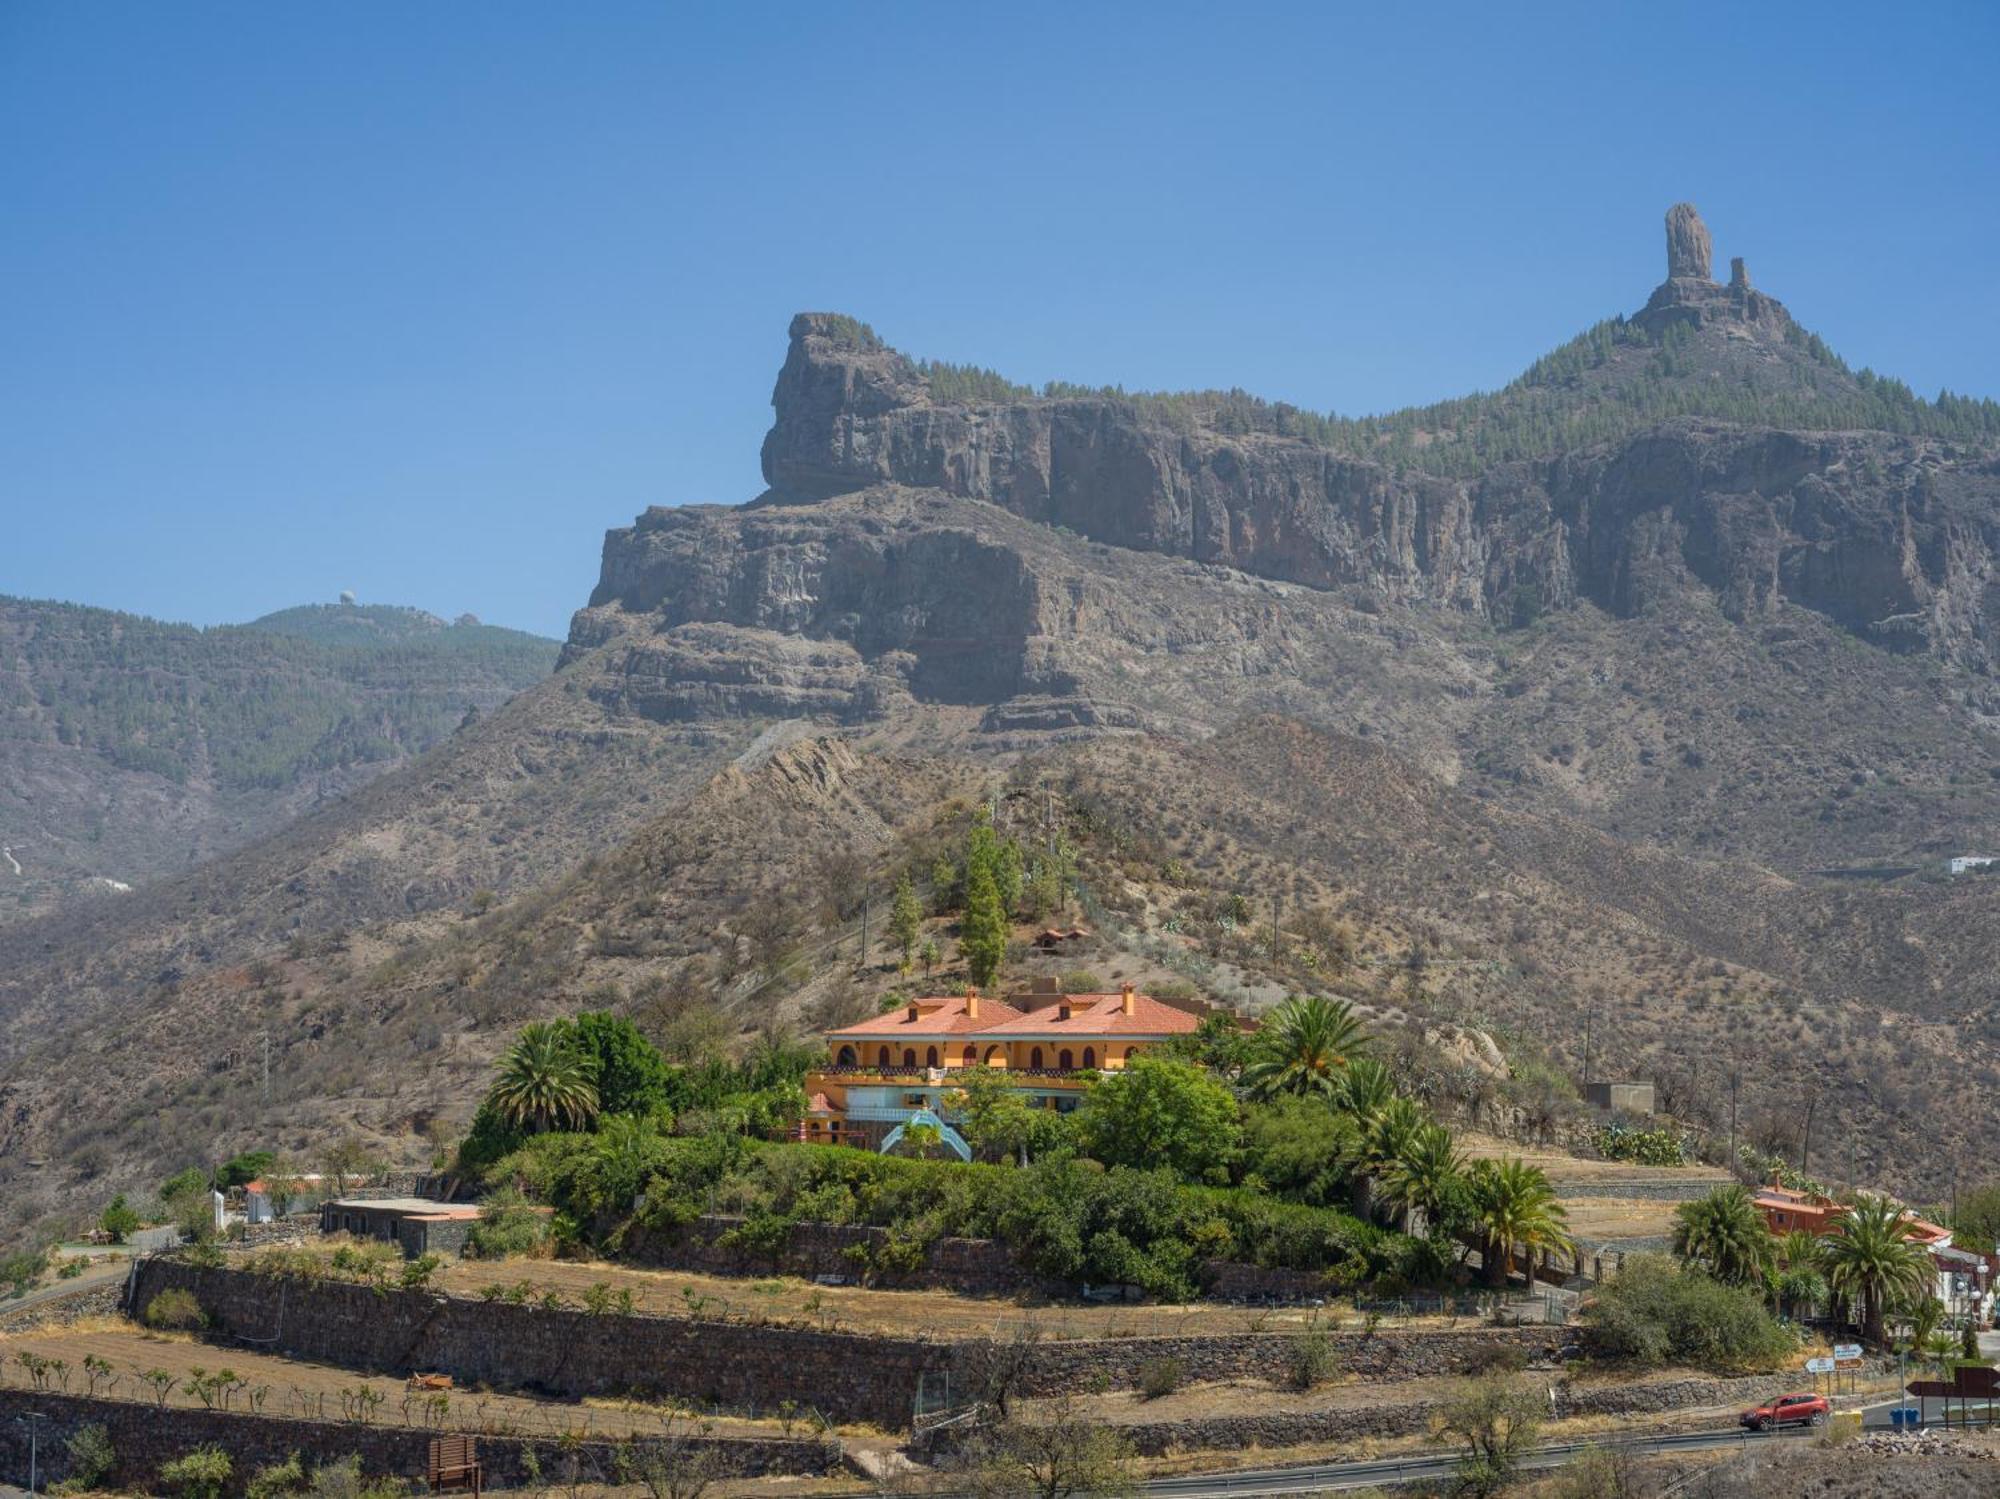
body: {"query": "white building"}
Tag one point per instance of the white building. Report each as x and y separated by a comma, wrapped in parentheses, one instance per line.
(1966, 863)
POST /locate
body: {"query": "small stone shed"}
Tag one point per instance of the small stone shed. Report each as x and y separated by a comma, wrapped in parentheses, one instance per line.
(417, 1224)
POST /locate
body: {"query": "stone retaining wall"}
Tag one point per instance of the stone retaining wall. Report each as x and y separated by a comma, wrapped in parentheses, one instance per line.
(1268, 1356)
(145, 1438)
(1398, 1417)
(100, 1300)
(847, 1377)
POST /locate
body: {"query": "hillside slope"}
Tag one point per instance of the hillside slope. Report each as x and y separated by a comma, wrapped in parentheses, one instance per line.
(130, 748)
(1558, 737)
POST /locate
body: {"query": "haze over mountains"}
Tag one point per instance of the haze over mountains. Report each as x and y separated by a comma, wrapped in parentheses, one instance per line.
(130, 748)
(1556, 697)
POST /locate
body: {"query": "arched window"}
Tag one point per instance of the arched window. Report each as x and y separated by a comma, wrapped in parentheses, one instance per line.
(846, 1057)
(1035, 1059)
(930, 1056)
(971, 1057)
(996, 1056)
(1090, 1059)
(882, 1059)
(909, 1057)
(1064, 1060)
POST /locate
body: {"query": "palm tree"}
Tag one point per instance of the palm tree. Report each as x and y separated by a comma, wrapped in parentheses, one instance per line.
(1871, 1256)
(1726, 1235)
(1517, 1209)
(1365, 1088)
(1305, 1047)
(1424, 1173)
(545, 1082)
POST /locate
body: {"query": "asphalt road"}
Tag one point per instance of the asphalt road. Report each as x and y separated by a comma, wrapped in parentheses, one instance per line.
(1333, 1477)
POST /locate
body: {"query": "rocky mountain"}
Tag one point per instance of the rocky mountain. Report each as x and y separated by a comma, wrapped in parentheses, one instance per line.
(1558, 701)
(130, 748)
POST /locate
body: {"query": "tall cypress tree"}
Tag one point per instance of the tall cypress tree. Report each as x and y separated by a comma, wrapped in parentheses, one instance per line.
(905, 920)
(983, 931)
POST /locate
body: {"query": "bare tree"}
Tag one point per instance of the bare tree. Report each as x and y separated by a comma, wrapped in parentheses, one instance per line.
(681, 1462)
(1064, 1451)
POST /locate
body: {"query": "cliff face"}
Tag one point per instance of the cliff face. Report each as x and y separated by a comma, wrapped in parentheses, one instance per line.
(918, 547)
(1893, 538)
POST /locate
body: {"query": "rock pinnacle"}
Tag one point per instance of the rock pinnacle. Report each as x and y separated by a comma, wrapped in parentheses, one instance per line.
(1688, 248)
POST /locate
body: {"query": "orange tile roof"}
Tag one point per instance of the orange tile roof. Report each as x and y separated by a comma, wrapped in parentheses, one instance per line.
(1100, 1015)
(939, 1015)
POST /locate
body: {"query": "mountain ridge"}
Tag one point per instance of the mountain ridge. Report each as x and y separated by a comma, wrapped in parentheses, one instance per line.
(1583, 723)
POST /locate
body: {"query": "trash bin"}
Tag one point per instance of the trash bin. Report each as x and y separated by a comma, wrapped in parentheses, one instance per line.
(1899, 1418)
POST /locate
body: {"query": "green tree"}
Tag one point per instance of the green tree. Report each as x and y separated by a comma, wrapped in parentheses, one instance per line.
(118, 1220)
(1160, 1112)
(1516, 1209)
(1305, 1046)
(1872, 1258)
(983, 929)
(545, 1081)
(1425, 1174)
(1726, 1235)
(630, 1075)
(906, 921)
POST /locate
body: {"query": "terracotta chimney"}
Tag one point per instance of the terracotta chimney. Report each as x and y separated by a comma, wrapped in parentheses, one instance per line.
(1125, 1000)
(972, 1001)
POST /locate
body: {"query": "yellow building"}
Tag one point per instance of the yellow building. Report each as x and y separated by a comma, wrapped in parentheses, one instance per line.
(897, 1067)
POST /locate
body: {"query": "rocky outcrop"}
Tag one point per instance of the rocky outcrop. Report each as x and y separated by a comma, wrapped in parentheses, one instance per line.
(1689, 252)
(872, 571)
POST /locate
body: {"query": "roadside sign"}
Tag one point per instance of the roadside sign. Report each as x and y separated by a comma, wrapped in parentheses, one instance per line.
(1847, 1365)
(1846, 1350)
(1819, 1366)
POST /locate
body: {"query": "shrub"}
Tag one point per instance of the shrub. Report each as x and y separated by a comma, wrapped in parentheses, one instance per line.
(508, 1224)
(287, 1477)
(1311, 1360)
(1497, 1358)
(175, 1308)
(203, 1474)
(1655, 1312)
(91, 1456)
(118, 1220)
(1159, 1376)
(418, 1272)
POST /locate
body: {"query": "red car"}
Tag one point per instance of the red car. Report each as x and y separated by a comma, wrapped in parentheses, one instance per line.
(1789, 1410)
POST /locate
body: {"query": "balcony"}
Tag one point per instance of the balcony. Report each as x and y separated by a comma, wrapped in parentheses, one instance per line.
(934, 1077)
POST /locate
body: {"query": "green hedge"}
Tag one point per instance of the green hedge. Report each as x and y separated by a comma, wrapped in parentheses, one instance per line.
(1067, 1219)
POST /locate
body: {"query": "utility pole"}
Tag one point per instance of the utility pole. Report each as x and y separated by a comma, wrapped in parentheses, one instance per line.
(267, 1067)
(1735, 1077)
(1589, 1014)
(864, 931)
(34, 1453)
(1274, 926)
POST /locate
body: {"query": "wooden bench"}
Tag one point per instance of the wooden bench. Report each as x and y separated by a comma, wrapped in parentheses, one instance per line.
(455, 1464)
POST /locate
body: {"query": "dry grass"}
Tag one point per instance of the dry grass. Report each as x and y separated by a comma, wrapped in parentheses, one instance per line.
(305, 1389)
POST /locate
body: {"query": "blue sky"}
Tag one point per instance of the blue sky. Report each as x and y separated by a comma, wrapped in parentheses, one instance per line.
(419, 299)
